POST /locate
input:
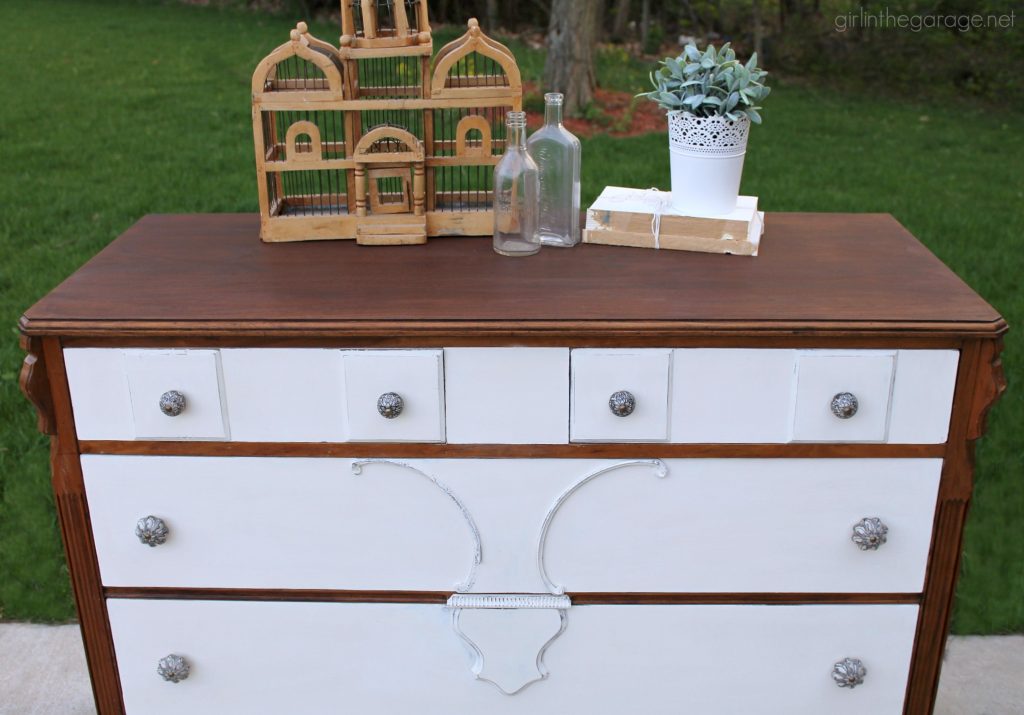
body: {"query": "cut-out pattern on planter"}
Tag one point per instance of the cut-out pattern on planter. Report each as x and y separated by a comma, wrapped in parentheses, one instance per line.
(708, 136)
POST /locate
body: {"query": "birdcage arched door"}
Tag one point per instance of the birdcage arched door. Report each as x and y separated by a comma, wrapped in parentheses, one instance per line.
(389, 173)
(390, 187)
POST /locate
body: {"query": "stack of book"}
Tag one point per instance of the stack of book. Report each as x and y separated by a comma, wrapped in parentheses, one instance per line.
(645, 218)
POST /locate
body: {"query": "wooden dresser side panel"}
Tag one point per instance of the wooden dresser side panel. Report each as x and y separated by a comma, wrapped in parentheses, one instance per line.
(980, 382)
(76, 530)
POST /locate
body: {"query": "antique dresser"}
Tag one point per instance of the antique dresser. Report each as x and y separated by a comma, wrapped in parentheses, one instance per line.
(326, 478)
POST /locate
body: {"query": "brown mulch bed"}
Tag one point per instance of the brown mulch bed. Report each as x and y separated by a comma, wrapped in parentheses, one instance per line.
(620, 115)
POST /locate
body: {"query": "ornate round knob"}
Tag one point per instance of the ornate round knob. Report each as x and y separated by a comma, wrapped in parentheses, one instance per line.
(151, 530)
(849, 673)
(172, 403)
(390, 405)
(844, 405)
(622, 403)
(173, 668)
(869, 533)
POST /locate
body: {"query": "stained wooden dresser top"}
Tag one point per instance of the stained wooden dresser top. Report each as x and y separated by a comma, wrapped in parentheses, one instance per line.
(209, 274)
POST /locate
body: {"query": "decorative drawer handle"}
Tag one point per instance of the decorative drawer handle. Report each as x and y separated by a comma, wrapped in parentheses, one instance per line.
(173, 668)
(172, 403)
(622, 403)
(869, 533)
(151, 530)
(849, 673)
(844, 405)
(390, 405)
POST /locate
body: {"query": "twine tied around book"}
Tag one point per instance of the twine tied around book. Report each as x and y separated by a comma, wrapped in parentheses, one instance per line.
(660, 204)
(656, 200)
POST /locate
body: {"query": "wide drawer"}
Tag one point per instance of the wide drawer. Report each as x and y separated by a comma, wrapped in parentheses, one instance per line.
(515, 525)
(311, 658)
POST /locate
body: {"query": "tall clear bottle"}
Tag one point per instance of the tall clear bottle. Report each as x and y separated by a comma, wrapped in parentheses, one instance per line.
(557, 153)
(515, 194)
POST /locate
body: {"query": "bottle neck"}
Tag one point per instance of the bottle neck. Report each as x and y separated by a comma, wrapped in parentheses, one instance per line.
(516, 137)
(553, 113)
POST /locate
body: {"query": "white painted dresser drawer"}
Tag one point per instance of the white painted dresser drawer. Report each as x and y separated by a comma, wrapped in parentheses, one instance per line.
(514, 525)
(737, 395)
(271, 657)
(394, 395)
(147, 394)
(620, 395)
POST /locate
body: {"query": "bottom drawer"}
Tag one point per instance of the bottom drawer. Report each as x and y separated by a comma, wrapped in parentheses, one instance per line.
(273, 657)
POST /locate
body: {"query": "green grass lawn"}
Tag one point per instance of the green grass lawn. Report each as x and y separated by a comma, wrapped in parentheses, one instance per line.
(112, 110)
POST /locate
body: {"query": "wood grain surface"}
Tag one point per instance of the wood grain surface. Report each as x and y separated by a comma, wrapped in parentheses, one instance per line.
(195, 274)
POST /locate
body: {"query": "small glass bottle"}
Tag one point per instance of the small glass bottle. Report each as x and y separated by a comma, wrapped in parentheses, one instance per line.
(515, 194)
(557, 153)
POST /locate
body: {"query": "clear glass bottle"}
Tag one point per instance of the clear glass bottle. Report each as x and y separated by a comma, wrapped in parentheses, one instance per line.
(557, 153)
(515, 194)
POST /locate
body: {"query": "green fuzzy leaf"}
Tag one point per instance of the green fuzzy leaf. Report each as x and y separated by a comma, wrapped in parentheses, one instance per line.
(709, 83)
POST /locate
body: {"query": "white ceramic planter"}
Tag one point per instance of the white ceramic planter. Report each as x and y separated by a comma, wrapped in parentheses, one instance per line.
(707, 162)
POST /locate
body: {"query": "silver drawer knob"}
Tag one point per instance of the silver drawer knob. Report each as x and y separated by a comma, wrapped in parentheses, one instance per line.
(869, 533)
(173, 668)
(622, 403)
(849, 673)
(844, 405)
(390, 405)
(172, 403)
(151, 530)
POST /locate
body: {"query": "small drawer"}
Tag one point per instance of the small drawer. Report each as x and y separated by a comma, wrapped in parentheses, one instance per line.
(175, 394)
(620, 395)
(843, 397)
(395, 395)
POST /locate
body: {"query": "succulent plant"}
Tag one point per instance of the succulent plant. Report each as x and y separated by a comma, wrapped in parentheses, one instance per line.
(710, 83)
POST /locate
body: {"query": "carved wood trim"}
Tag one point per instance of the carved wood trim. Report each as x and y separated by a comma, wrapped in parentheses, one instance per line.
(990, 387)
(35, 385)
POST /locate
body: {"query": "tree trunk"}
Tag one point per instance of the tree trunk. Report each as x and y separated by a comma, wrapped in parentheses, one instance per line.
(621, 20)
(572, 35)
(645, 24)
(758, 22)
(491, 21)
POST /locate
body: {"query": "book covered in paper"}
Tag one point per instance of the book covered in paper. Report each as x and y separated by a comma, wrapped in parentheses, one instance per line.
(645, 218)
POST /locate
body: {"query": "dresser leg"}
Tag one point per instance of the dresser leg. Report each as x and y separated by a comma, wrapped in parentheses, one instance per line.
(73, 514)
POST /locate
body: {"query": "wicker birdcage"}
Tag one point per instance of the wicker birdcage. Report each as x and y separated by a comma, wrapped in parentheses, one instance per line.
(377, 139)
